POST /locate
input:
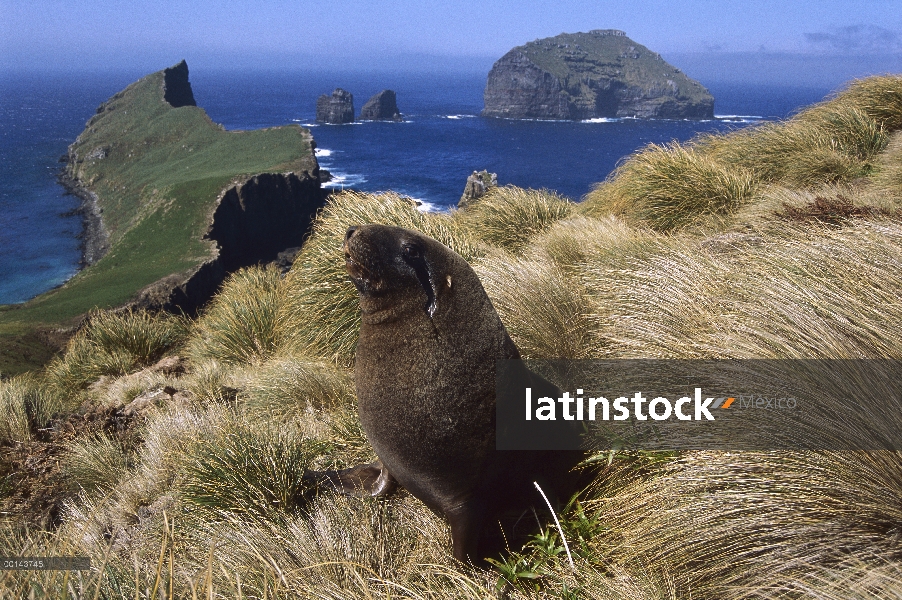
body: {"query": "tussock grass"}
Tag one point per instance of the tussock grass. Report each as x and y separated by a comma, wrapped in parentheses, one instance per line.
(507, 217)
(290, 386)
(755, 522)
(114, 343)
(836, 141)
(247, 469)
(571, 242)
(239, 324)
(887, 181)
(544, 312)
(24, 405)
(793, 292)
(96, 463)
(667, 187)
(320, 314)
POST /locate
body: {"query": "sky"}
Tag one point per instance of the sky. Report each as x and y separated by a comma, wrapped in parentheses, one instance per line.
(412, 34)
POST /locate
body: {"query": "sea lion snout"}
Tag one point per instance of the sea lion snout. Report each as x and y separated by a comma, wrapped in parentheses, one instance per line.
(384, 260)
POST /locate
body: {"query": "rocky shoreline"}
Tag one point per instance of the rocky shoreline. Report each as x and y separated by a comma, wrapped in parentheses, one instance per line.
(95, 240)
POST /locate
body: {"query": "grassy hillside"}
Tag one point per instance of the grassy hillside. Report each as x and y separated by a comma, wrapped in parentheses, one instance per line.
(180, 477)
(157, 172)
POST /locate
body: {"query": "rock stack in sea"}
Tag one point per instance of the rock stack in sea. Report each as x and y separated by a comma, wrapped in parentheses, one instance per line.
(381, 107)
(601, 73)
(478, 184)
(337, 108)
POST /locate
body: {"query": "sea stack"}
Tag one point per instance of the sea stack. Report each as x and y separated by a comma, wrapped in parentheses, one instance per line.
(381, 107)
(337, 108)
(602, 73)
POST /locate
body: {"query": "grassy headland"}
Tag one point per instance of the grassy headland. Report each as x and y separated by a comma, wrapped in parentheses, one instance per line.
(158, 172)
(180, 477)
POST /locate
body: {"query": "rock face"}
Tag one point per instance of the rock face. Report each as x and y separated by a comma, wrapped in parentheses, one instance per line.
(477, 185)
(176, 89)
(597, 74)
(337, 108)
(381, 107)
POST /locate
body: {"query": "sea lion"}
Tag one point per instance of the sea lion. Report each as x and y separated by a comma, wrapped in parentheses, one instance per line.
(425, 380)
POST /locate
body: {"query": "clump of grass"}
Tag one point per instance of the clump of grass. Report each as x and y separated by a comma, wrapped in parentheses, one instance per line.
(212, 381)
(837, 141)
(571, 242)
(827, 143)
(247, 469)
(754, 521)
(96, 462)
(879, 97)
(114, 343)
(289, 386)
(320, 313)
(239, 325)
(668, 187)
(508, 217)
(792, 291)
(26, 404)
(543, 310)
(886, 183)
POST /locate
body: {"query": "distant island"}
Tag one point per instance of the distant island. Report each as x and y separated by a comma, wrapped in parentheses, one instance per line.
(173, 203)
(599, 74)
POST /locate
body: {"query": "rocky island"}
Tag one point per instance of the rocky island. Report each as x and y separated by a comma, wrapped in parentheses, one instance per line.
(335, 109)
(381, 107)
(172, 204)
(602, 73)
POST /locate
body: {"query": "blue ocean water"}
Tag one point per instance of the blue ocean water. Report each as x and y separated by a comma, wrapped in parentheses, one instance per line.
(427, 156)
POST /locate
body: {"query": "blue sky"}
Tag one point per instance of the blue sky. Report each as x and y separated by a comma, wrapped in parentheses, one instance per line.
(466, 33)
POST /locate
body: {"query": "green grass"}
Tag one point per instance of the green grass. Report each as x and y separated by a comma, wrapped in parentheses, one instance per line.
(239, 324)
(113, 343)
(157, 187)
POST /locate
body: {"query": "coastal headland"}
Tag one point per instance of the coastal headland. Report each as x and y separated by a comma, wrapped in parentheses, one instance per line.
(172, 203)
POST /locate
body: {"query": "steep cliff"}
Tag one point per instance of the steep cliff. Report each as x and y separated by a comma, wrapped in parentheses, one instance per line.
(601, 73)
(173, 203)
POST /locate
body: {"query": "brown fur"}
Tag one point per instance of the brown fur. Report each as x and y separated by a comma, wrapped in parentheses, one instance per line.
(425, 378)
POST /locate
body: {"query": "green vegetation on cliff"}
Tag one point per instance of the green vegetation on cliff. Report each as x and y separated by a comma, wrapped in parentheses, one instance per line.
(157, 172)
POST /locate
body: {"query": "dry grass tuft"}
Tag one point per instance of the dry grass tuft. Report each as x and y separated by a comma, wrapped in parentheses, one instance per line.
(508, 217)
(668, 187)
(114, 343)
(239, 324)
(320, 313)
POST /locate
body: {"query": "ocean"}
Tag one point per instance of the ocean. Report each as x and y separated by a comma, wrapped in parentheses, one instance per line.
(427, 156)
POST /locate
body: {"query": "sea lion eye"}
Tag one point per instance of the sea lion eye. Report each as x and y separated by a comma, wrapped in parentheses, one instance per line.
(410, 251)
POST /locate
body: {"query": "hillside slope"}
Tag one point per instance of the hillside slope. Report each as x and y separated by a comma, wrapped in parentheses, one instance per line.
(183, 202)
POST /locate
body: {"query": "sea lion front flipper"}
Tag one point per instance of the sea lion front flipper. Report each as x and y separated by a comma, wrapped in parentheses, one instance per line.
(371, 479)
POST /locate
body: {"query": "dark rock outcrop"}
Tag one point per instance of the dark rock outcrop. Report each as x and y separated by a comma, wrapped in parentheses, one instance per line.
(599, 74)
(478, 184)
(176, 89)
(337, 108)
(381, 107)
(254, 222)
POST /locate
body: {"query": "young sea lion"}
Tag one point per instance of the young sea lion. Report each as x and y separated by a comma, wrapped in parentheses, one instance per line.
(425, 379)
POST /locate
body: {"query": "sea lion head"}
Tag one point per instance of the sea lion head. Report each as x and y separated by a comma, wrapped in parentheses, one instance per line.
(398, 268)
